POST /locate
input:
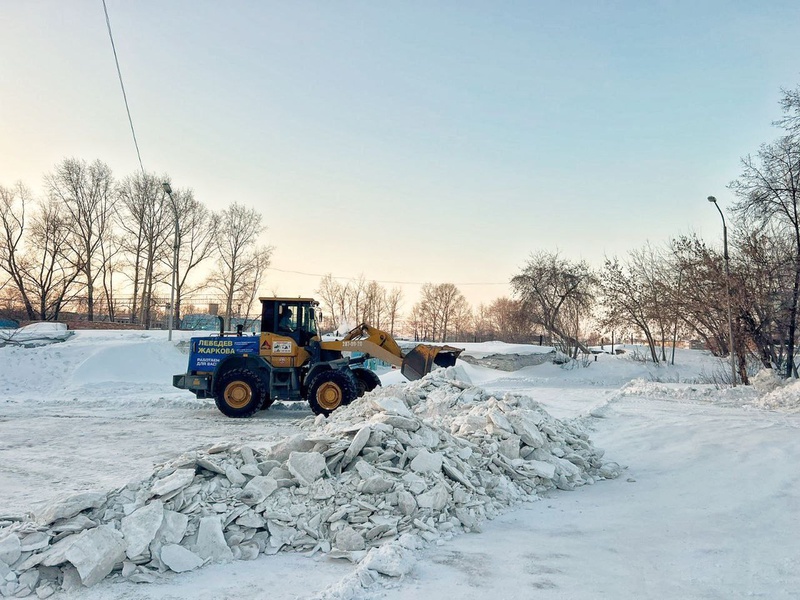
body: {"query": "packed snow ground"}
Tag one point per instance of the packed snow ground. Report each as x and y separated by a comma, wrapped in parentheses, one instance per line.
(706, 508)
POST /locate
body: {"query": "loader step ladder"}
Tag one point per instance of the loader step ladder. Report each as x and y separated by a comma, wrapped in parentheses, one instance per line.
(283, 384)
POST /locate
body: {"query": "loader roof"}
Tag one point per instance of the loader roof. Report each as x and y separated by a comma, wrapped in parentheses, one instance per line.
(285, 299)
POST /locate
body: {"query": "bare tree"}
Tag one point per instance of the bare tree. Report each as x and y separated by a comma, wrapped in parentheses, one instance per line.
(357, 291)
(195, 244)
(241, 261)
(145, 218)
(329, 291)
(627, 299)
(130, 210)
(763, 282)
(85, 190)
(111, 263)
(13, 204)
(339, 300)
(452, 305)
(769, 195)
(372, 304)
(462, 322)
(557, 292)
(483, 329)
(509, 321)
(392, 300)
(790, 104)
(702, 299)
(438, 306)
(48, 271)
(638, 293)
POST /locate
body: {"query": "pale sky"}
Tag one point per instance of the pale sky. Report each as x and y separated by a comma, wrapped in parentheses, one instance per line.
(416, 141)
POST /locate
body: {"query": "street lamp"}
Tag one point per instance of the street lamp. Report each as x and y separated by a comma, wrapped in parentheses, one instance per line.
(713, 200)
(168, 190)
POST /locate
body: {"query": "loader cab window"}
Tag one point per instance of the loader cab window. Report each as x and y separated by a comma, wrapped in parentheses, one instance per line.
(292, 319)
(287, 323)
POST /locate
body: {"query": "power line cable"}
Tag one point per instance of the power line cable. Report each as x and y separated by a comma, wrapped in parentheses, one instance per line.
(386, 281)
(122, 85)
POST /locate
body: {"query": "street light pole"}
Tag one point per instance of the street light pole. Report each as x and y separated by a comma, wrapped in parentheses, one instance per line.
(713, 200)
(168, 189)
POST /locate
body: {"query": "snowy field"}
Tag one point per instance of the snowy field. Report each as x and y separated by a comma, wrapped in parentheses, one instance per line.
(707, 504)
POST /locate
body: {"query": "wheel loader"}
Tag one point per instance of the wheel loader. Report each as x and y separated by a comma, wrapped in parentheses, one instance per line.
(289, 360)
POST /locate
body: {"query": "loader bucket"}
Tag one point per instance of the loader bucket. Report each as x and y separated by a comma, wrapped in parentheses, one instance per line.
(421, 360)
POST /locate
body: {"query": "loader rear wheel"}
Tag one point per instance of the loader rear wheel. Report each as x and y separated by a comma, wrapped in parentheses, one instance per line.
(367, 380)
(239, 393)
(331, 389)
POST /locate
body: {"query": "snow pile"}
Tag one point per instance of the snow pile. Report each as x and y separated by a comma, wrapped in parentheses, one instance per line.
(778, 396)
(408, 463)
(766, 381)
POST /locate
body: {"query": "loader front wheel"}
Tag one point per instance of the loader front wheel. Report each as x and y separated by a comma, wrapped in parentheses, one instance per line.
(367, 380)
(239, 393)
(331, 389)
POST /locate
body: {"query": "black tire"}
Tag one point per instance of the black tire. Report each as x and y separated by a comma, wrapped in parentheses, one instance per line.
(331, 389)
(367, 380)
(349, 373)
(239, 393)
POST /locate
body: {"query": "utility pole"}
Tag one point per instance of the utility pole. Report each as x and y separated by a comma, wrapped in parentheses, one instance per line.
(168, 189)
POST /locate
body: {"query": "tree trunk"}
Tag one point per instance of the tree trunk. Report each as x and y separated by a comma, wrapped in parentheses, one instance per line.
(790, 368)
(89, 293)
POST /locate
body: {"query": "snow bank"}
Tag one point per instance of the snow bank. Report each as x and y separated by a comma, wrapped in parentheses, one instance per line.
(107, 367)
(486, 349)
(35, 334)
(132, 362)
(408, 463)
(767, 392)
(689, 393)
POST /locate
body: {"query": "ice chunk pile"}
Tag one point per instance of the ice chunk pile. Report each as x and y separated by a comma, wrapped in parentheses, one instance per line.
(422, 460)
